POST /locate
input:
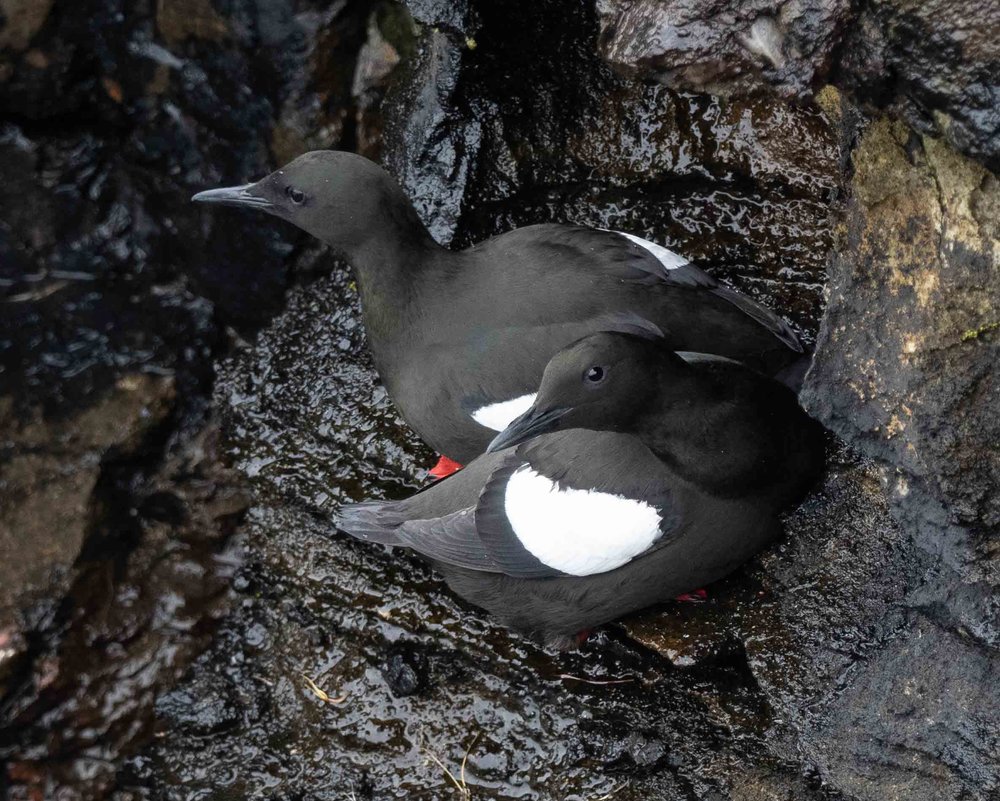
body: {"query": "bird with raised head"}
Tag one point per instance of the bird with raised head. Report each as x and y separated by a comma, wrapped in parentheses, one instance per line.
(460, 338)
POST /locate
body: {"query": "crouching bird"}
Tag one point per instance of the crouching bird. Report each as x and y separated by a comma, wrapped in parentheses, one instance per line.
(636, 474)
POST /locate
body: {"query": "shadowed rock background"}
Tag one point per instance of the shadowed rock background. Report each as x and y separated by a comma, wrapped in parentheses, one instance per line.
(185, 396)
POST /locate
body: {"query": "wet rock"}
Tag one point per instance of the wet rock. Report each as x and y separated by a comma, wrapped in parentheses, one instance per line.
(428, 149)
(927, 704)
(138, 604)
(21, 21)
(522, 720)
(172, 98)
(405, 670)
(631, 754)
(378, 59)
(839, 636)
(12, 648)
(335, 74)
(177, 20)
(456, 16)
(759, 785)
(917, 390)
(307, 420)
(911, 333)
(544, 131)
(946, 67)
(725, 47)
(116, 296)
(48, 473)
(205, 706)
(688, 634)
(905, 372)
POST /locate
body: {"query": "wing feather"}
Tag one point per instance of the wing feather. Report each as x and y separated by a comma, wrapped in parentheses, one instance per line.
(687, 275)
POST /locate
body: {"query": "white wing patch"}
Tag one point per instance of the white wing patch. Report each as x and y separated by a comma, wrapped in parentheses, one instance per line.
(695, 357)
(580, 532)
(499, 415)
(669, 259)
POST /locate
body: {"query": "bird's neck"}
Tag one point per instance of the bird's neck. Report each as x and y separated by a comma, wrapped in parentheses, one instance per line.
(393, 259)
(707, 435)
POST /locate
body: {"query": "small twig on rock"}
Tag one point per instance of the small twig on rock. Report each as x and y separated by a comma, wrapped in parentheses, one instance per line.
(321, 694)
(460, 783)
(613, 791)
(626, 680)
(466, 757)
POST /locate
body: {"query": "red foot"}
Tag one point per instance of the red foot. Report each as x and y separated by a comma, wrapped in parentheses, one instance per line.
(694, 597)
(582, 636)
(444, 467)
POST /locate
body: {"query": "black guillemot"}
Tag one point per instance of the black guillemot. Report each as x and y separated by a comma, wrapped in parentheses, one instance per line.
(460, 338)
(636, 474)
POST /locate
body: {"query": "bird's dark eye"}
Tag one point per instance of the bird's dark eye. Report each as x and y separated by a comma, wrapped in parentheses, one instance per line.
(297, 196)
(594, 375)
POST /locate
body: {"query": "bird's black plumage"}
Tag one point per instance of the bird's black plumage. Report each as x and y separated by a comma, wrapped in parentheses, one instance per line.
(690, 461)
(453, 332)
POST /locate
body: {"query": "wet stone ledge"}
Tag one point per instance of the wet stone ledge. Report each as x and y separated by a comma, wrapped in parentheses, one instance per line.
(345, 668)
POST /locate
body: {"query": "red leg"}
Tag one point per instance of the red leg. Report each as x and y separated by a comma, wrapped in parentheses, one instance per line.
(444, 467)
(693, 597)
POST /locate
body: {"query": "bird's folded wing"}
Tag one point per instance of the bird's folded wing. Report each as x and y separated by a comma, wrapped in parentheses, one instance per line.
(655, 264)
(763, 315)
(575, 503)
(626, 256)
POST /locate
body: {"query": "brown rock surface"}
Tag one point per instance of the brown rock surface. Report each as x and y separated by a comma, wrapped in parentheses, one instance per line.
(48, 471)
(906, 363)
(21, 21)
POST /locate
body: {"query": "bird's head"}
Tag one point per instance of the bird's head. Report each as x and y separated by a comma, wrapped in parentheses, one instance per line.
(340, 198)
(601, 382)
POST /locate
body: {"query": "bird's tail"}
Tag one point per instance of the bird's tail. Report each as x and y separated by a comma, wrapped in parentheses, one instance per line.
(763, 315)
(371, 521)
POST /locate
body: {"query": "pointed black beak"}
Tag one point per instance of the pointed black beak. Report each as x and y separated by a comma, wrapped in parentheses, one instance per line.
(234, 196)
(528, 425)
